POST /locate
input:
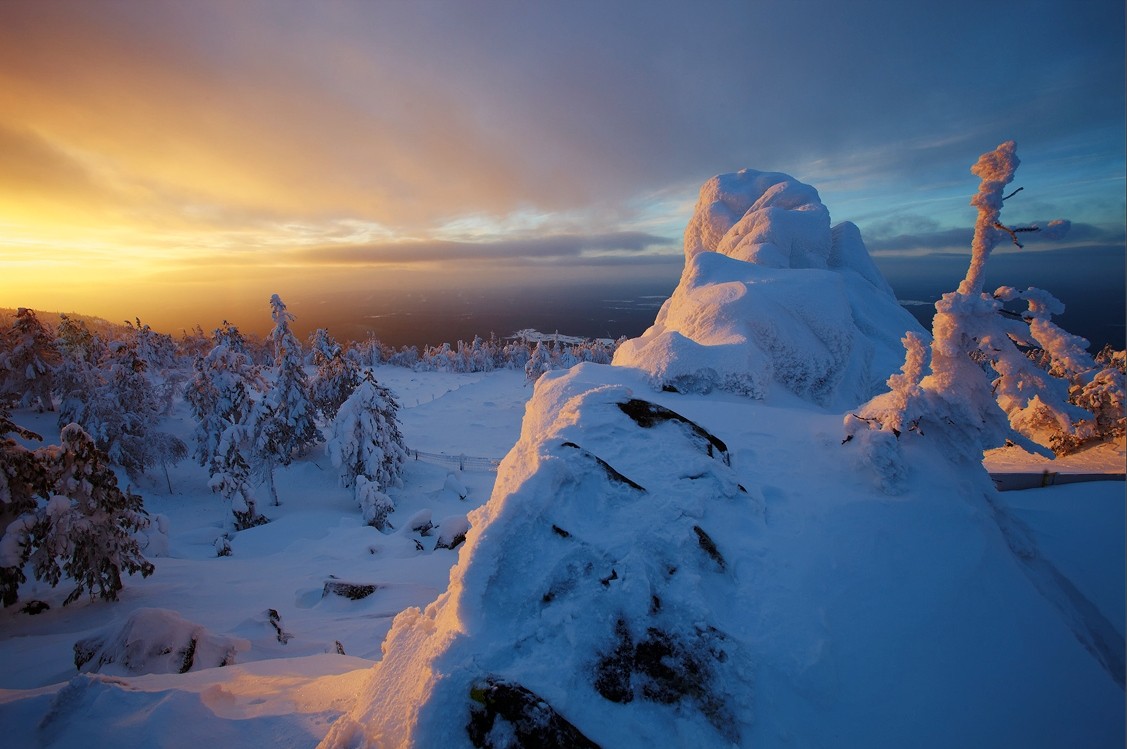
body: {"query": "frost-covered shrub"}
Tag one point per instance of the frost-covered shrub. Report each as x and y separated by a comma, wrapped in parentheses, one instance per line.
(375, 506)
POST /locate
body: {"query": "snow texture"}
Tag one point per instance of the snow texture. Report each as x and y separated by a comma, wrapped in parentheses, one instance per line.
(641, 580)
(772, 296)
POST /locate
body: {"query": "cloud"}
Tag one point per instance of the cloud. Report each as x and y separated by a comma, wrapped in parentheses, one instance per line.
(408, 113)
(932, 239)
(554, 247)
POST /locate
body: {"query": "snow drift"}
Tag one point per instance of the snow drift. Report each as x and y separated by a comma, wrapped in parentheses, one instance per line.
(771, 294)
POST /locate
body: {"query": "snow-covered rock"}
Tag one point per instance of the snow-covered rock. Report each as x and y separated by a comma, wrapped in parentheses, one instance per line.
(660, 568)
(772, 295)
(155, 641)
(656, 569)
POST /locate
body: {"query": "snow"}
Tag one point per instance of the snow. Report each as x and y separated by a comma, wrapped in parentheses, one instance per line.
(773, 298)
(659, 560)
(847, 617)
(834, 651)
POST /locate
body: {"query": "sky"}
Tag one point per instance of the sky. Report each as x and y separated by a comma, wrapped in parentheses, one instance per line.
(182, 161)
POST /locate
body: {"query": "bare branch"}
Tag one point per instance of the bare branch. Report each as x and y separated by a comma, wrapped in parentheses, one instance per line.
(1014, 231)
(1015, 192)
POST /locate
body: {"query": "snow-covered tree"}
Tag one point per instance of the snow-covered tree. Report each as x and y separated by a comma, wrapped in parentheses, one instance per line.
(375, 505)
(365, 440)
(22, 480)
(82, 525)
(27, 360)
(956, 401)
(116, 404)
(288, 396)
(284, 424)
(231, 476)
(539, 363)
(222, 399)
(337, 375)
(129, 409)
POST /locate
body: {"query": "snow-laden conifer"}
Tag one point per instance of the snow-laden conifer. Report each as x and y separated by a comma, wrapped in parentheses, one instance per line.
(81, 525)
(22, 480)
(337, 375)
(365, 441)
(222, 400)
(283, 419)
(288, 395)
(539, 363)
(27, 361)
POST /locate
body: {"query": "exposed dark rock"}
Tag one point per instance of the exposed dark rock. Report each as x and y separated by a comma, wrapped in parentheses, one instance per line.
(189, 658)
(560, 531)
(532, 721)
(667, 669)
(351, 591)
(709, 547)
(35, 607)
(340, 648)
(450, 542)
(613, 671)
(610, 471)
(648, 415)
(275, 620)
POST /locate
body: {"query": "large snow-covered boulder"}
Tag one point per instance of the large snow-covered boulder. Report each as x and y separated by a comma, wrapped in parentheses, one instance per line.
(663, 569)
(771, 295)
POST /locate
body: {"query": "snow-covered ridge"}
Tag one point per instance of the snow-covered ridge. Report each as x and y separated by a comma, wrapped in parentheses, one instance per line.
(773, 296)
(670, 566)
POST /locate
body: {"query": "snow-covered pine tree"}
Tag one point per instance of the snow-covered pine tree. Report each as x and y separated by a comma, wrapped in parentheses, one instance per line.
(219, 394)
(539, 363)
(27, 360)
(88, 523)
(337, 375)
(80, 524)
(22, 480)
(231, 476)
(221, 398)
(365, 440)
(163, 366)
(284, 420)
(129, 409)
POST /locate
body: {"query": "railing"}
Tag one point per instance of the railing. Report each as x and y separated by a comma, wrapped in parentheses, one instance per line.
(464, 462)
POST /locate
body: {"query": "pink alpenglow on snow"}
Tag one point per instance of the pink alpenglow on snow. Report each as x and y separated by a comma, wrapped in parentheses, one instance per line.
(772, 296)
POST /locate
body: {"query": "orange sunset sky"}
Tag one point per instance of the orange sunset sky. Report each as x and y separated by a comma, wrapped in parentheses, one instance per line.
(182, 161)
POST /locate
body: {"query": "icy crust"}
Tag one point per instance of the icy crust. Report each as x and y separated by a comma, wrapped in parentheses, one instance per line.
(656, 569)
(771, 294)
